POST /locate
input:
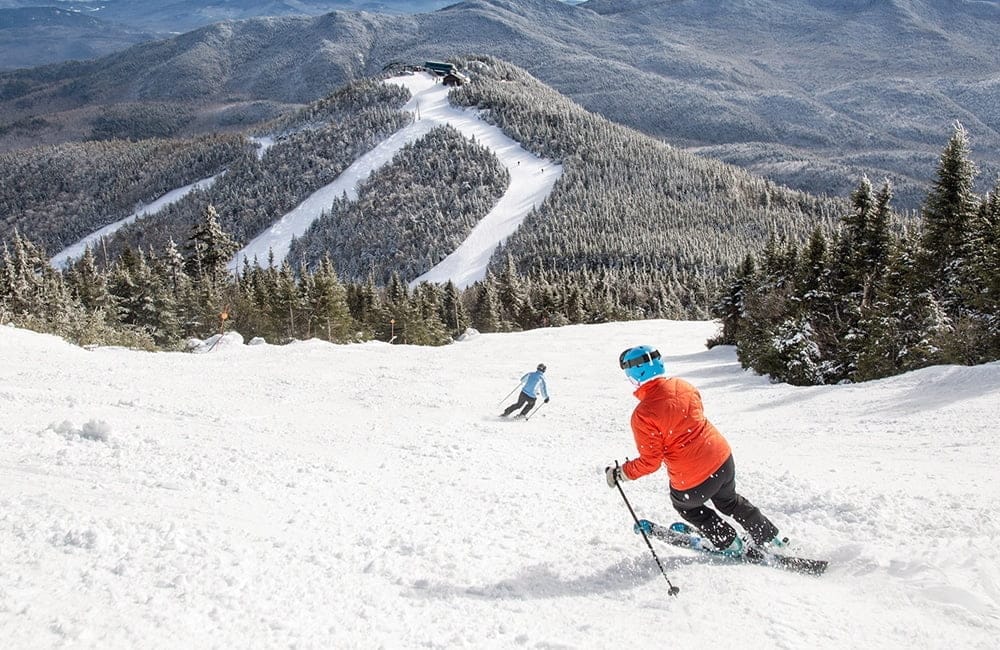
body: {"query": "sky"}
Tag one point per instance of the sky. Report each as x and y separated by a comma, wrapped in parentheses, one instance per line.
(368, 495)
(531, 180)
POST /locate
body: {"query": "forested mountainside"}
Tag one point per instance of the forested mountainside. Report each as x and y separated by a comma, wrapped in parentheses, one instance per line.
(411, 213)
(627, 205)
(37, 35)
(810, 94)
(631, 229)
(34, 35)
(56, 195)
(871, 301)
(312, 149)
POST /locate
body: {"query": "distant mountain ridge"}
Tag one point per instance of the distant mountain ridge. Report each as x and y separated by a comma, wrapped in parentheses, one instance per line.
(808, 93)
(30, 36)
(184, 15)
(33, 33)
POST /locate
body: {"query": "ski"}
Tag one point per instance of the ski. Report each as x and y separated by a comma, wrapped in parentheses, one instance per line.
(682, 535)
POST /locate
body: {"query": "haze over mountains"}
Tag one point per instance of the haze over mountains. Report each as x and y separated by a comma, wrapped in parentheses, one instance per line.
(810, 94)
(36, 32)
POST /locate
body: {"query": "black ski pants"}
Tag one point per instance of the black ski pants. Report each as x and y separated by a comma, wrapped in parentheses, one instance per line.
(720, 487)
(525, 400)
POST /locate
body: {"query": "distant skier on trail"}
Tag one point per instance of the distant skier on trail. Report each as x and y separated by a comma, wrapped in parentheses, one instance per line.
(670, 428)
(532, 385)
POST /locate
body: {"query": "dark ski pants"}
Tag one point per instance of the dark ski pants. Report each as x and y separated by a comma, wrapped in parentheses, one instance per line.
(720, 487)
(525, 400)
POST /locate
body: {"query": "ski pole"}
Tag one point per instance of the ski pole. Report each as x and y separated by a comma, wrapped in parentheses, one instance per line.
(537, 409)
(508, 395)
(673, 591)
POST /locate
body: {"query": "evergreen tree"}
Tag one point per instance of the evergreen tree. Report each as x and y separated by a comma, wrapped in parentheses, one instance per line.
(769, 304)
(731, 308)
(905, 328)
(511, 293)
(453, 311)
(821, 313)
(22, 269)
(210, 249)
(165, 319)
(364, 303)
(979, 326)
(6, 285)
(426, 326)
(89, 285)
(177, 283)
(876, 244)
(947, 213)
(486, 314)
(575, 310)
(798, 358)
(326, 301)
(286, 303)
(134, 288)
(252, 302)
(398, 315)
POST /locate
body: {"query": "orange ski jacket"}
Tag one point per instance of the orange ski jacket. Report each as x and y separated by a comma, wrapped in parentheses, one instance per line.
(670, 428)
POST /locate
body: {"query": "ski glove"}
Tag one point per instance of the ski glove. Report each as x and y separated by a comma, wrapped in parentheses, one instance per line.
(615, 475)
(546, 400)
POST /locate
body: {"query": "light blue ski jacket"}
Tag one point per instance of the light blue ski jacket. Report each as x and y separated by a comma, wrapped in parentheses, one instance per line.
(534, 383)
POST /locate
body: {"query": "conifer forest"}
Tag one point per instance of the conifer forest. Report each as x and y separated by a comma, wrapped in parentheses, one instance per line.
(810, 289)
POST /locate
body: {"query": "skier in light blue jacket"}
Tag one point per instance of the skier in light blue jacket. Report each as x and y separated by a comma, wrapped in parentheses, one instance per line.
(533, 385)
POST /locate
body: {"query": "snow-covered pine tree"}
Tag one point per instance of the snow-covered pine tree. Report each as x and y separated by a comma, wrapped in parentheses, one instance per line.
(486, 313)
(947, 213)
(453, 311)
(326, 304)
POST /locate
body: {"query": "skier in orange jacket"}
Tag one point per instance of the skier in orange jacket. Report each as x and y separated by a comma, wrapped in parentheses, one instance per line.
(670, 428)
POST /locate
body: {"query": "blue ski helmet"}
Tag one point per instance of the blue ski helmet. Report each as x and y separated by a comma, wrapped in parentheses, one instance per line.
(641, 363)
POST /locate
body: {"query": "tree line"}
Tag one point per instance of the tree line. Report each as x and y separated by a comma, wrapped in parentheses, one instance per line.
(159, 299)
(874, 297)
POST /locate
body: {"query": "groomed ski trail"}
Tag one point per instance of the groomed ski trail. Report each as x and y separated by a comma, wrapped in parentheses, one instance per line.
(68, 255)
(531, 180)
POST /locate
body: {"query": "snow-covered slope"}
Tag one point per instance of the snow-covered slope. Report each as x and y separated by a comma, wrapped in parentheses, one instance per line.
(366, 496)
(531, 180)
(71, 253)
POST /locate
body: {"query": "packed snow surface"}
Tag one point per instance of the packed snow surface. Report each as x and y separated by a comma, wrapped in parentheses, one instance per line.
(368, 496)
